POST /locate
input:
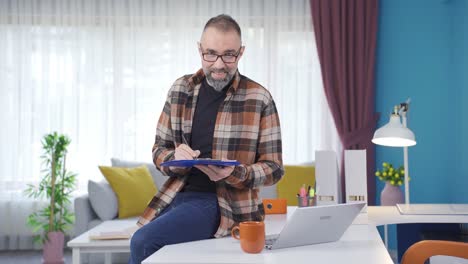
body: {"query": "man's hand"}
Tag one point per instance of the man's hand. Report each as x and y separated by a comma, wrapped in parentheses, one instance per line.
(183, 152)
(216, 173)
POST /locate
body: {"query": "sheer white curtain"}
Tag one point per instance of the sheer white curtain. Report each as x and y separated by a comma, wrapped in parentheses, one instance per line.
(99, 71)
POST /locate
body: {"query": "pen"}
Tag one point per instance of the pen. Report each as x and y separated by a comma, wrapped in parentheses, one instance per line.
(183, 140)
(311, 192)
(302, 191)
(303, 194)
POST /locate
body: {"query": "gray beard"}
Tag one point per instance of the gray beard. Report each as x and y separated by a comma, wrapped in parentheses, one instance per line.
(219, 85)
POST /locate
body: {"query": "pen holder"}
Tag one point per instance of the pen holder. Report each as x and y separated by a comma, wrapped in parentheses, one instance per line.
(306, 201)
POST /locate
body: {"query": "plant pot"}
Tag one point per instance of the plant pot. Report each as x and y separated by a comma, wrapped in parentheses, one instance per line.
(391, 195)
(53, 248)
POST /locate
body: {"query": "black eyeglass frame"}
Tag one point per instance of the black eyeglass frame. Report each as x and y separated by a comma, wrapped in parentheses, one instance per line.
(220, 56)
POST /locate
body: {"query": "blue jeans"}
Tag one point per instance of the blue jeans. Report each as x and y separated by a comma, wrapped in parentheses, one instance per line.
(190, 216)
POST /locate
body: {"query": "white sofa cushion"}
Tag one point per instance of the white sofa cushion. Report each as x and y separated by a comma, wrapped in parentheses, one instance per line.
(103, 200)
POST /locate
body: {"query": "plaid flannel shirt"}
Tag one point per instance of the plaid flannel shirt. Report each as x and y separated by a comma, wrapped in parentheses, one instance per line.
(247, 129)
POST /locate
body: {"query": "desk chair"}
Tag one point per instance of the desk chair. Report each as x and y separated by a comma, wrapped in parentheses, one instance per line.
(422, 250)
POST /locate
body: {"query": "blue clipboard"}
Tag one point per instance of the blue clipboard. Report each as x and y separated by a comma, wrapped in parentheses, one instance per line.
(191, 163)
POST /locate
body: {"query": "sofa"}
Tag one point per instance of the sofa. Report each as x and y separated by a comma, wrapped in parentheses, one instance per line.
(101, 204)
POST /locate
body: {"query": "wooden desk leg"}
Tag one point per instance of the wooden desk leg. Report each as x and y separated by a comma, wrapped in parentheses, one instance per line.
(76, 256)
(108, 258)
(386, 236)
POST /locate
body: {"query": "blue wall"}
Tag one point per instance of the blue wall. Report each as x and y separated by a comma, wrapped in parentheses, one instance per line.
(460, 66)
(422, 54)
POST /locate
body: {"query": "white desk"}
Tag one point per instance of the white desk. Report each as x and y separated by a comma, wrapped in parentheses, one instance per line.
(361, 243)
(387, 215)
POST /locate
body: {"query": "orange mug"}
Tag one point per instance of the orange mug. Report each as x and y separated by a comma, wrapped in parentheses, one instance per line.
(251, 235)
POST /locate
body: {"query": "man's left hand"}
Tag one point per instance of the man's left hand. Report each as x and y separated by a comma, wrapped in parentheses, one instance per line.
(216, 173)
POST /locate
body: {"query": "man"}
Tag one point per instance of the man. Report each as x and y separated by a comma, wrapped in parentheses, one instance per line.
(215, 113)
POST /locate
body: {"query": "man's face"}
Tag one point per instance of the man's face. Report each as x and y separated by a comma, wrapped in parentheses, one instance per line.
(216, 42)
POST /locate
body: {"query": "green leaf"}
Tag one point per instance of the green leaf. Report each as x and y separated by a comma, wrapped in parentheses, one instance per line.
(53, 160)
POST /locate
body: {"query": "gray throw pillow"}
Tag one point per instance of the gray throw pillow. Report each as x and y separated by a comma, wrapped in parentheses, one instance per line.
(158, 178)
(103, 200)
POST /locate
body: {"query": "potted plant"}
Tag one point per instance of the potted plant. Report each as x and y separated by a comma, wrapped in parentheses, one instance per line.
(56, 185)
(393, 178)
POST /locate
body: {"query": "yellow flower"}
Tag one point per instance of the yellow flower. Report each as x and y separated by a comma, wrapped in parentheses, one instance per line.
(391, 174)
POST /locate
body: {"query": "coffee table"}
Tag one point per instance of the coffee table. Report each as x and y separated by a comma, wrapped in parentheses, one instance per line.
(82, 243)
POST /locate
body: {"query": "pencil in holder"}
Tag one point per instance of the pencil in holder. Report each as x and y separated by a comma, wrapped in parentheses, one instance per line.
(305, 201)
(311, 200)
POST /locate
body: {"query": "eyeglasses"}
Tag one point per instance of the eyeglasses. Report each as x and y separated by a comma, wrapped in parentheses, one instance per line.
(226, 58)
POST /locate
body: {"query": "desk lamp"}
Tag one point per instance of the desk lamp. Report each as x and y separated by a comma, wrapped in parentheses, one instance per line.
(394, 134)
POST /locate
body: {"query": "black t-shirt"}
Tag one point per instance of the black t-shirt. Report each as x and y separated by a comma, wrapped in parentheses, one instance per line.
(204, 119)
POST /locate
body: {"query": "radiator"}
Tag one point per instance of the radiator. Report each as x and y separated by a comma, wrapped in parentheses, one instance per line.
(14, 233)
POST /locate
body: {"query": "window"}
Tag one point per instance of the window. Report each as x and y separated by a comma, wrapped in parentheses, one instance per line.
(100, 71)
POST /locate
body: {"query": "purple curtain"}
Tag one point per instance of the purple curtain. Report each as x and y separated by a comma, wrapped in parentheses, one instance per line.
(346, 35)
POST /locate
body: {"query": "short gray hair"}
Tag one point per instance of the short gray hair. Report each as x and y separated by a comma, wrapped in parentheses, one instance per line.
(223, 23)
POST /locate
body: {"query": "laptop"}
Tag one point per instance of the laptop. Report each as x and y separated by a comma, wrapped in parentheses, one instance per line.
(314, 225)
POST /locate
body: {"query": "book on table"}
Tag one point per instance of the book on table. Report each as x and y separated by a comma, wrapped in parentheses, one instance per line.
(113, 234)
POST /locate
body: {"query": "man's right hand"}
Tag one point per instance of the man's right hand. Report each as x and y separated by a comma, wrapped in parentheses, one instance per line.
(183, 152)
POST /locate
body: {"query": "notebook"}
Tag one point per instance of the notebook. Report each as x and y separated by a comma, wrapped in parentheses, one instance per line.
(433, 209)
(110, 235)
(113, 234)
(314, 225)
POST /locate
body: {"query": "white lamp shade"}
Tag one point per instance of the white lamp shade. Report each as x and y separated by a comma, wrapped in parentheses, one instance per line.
(394, 134)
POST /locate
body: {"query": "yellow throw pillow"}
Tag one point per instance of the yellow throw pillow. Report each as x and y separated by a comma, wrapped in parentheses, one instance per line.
(134, 188)
(294, 177)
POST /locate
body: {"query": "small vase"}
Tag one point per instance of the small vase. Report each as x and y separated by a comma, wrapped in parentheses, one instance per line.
(53, 248)
(391, 195)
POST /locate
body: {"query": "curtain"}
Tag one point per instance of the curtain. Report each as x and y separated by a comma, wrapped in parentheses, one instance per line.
(99, 71)
(346, 33)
